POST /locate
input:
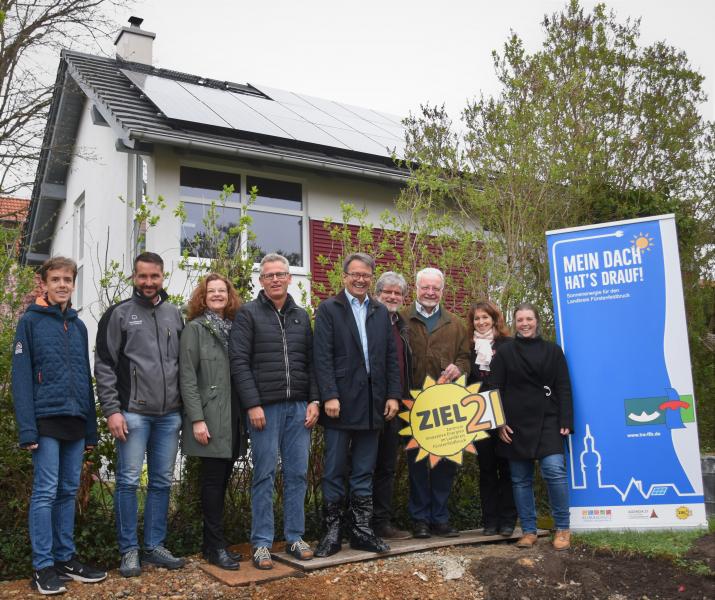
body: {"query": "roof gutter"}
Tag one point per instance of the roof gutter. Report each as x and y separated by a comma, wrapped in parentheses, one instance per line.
(392, 175)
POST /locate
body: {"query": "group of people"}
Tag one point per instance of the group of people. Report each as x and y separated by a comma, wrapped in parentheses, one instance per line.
(261, 369)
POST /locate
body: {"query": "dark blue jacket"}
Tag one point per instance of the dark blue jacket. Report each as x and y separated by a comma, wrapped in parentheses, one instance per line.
(339, 363)
(50, 371)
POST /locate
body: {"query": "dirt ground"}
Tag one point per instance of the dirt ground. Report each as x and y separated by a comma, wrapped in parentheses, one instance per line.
(491, 571)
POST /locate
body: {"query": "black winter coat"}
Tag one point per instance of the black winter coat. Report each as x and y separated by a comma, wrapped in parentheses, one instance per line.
(271, 353)
(475, 375)
(404, 330)
(340, 364)
(520, 371)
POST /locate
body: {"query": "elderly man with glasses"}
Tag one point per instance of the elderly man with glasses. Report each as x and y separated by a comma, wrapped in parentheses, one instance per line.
(271, 353)
(440, 349)
(358, 378)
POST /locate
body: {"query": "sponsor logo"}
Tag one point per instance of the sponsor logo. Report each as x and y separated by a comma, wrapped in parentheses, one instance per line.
(639, 513)
(653, 515)
(18, 348)
(683, 512)
(597, 514)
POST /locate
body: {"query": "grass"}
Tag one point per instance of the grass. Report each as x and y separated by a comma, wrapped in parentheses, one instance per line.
(671, 545)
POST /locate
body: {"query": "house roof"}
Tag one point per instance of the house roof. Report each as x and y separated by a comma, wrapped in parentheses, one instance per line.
(142, 117)
(14, 209)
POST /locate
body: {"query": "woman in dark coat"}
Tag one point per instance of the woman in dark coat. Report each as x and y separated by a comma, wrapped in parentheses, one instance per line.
(211, 428)
(488, 332)
(533, 379)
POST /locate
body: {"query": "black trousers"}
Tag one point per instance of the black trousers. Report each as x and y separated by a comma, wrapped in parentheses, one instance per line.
(383, 480)
(498, 508)
(215, 474)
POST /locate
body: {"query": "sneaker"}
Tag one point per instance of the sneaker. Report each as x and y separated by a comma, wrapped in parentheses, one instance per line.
(161, 557)
(46, 582)
(79, 572)
(130, 566)
(299, 550)
(262, 559)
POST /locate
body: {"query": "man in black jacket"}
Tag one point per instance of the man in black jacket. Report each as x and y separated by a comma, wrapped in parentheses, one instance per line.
(390, 290)
(270, 351)
(359, 382)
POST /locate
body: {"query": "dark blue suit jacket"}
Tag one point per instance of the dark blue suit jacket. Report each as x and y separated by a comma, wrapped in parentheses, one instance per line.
(339, 363)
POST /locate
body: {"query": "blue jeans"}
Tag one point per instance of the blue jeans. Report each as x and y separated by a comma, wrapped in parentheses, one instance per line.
(353, 449)
(158, 437)
(57, 466)
(553, 471)
(284, 432)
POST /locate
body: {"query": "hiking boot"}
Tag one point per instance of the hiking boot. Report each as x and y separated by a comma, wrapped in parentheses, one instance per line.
(130, 565)
(528, 540)
(262, 559)
(506, 530)
(46, 582)
(300, 550)
(562, 539)
(79, 572)
(161, 557)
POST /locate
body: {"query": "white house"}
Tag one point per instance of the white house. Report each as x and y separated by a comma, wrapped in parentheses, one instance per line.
(120, 129)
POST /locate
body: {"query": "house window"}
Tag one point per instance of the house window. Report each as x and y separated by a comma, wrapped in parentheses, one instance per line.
(277, 213)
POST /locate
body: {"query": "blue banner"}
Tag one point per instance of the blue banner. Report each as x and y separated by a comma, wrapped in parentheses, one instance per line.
(634, 459)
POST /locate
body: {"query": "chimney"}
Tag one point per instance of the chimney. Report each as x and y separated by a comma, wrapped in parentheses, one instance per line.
(135, 44)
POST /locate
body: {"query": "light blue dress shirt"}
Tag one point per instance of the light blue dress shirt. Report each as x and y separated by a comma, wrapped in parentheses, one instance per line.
(360, 314)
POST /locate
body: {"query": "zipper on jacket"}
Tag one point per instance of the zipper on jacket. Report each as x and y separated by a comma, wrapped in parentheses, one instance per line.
(67, 359)
(135, 385)
(285, 352)
(168, 342)
(161, 358)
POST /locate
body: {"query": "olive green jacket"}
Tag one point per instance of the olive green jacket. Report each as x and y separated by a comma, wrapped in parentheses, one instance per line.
(206, 393)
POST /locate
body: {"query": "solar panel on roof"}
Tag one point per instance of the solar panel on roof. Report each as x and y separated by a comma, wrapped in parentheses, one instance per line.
(281, 114)
(236, 113)
(173, 100)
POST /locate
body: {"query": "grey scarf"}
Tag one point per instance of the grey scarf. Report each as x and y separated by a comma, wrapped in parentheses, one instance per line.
(219, 326)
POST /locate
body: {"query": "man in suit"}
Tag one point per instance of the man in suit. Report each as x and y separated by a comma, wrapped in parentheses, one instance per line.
(358, 379)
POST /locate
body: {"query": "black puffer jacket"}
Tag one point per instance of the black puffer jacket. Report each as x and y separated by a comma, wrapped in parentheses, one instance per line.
(271, 353)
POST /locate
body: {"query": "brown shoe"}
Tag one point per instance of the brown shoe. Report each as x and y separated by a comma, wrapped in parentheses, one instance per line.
(562, 539)
(387, 531)
(528, 540)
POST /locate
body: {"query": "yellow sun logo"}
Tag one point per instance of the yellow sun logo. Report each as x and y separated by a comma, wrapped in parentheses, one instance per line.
(642, 241)
(444, 419)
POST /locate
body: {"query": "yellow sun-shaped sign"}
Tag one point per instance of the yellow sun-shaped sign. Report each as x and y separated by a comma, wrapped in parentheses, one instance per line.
(445, 419)
(642, 241)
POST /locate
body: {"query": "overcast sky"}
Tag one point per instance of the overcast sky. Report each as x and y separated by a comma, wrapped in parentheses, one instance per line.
(389, 55)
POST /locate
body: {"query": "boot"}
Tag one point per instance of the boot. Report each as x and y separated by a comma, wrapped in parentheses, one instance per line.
(362, 537)
(331, 542)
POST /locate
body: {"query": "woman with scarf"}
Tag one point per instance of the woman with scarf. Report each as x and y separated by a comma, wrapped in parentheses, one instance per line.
(487, 329)
(211, 428)
(533, 378)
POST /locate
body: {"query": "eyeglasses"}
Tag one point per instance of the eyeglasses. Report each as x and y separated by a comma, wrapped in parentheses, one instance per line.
(280, 276)
(365, 276)
(429, 288)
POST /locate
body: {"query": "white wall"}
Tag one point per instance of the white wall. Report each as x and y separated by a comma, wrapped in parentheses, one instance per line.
(99, 172)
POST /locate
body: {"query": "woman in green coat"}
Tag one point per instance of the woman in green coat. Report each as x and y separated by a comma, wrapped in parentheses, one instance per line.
(211, 428)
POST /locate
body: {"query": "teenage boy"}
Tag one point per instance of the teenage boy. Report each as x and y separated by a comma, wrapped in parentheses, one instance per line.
(56, 419)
